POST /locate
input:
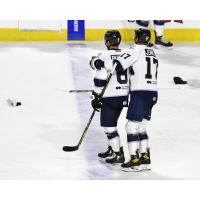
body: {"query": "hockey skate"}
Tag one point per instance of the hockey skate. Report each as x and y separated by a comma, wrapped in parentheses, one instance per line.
(145, 161)
(160, 41)
(133, 165)
(117, 158)
(107, 154)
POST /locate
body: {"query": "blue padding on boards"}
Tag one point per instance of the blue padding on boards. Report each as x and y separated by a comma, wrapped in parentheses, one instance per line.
(76, 29)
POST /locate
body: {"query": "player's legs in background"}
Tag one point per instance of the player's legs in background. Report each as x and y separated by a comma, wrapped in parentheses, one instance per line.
(159, 31)
(144, 24)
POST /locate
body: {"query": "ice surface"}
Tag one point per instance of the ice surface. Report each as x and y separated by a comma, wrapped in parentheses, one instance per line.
(32, 135)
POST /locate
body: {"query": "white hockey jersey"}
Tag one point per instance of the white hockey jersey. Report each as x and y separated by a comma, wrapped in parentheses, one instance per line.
(119, 83)
(143, 64)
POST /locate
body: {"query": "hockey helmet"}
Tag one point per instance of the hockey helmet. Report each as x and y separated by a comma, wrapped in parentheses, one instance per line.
(113, 37)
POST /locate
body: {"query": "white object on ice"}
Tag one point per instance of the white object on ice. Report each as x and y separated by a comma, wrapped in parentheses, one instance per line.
(11, 102)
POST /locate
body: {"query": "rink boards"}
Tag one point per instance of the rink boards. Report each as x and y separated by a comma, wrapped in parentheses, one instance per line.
(57, 31)
(92, 35)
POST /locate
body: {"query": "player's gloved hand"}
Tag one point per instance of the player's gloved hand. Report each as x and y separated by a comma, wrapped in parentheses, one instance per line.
(96, 102)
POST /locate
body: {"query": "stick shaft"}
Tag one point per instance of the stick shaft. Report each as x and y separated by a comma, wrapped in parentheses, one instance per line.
(86, 128)
(79, 91)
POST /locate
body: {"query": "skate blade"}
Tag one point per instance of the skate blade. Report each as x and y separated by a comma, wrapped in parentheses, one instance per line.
(156, 46)
(146, 167)
(170, 48)
(131, 169)
(112, 166)
(115, 164)
(103, 159)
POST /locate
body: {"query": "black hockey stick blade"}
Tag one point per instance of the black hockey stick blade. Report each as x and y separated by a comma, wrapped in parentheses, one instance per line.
(70, 148)
(179, 80)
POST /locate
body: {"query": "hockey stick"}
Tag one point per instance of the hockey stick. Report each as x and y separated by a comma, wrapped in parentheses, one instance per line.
(75, 148)
(75, 91)
(79, 91)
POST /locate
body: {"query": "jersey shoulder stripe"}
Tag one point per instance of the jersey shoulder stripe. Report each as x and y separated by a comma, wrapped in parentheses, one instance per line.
(99, 82)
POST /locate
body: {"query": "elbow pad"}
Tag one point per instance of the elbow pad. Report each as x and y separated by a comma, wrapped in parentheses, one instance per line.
(96, 63)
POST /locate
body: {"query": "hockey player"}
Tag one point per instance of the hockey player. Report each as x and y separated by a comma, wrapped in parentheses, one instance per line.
(158, 30)
(115, 96)
(143, 64)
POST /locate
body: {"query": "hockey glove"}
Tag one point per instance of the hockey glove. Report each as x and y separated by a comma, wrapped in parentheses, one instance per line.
(96, 102)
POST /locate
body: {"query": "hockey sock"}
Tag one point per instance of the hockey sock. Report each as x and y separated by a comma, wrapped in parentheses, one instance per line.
(114, 140)
(144, 142)
(133, 143)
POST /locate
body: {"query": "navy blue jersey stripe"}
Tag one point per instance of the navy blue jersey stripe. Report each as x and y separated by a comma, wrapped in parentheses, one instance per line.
(112, 135)
(143, 136)
(99, 82)
(133, 137)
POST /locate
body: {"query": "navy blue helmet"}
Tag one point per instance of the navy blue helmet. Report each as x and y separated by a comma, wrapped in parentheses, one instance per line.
(113, 36)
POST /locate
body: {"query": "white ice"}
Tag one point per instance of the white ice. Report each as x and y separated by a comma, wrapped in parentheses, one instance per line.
(32, 135)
